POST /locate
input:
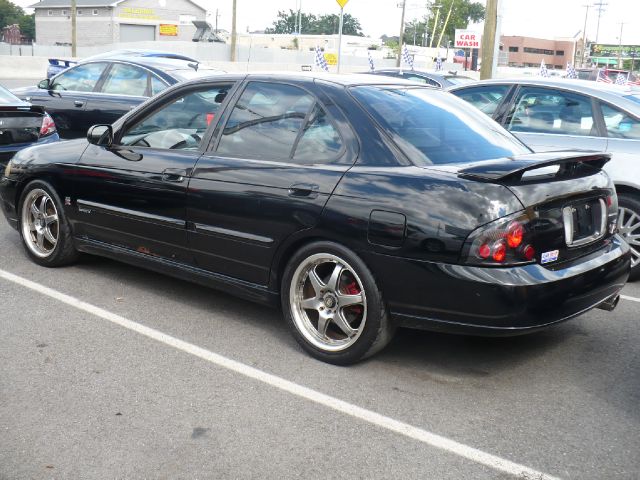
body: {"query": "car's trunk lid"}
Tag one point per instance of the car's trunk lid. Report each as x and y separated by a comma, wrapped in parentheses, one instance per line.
(20, 124)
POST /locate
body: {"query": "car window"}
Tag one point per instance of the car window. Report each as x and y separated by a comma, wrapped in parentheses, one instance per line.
(415, 78)
(265, 122)
(619, 124)
(320, 141)
(125, 79)
(486, 98)
(157, 85)
(433, 127)
(180, 124)
(8, 98)
(82, 78)
(542, 110)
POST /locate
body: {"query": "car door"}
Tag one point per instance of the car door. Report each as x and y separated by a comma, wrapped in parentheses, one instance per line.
(67, 97)
(276, 157)
(124, 87)
(132, 194)
(548, 119)
(623, 142)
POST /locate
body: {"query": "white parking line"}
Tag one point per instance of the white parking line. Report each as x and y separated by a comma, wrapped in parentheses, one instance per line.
(627, 297)
(333, 403)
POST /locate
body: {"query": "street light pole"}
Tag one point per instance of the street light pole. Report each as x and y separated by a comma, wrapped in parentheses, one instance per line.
(399, 59)
(340, 39)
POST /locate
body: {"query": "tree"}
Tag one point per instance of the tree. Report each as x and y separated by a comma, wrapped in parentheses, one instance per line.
(463, 12)
(324, 24)
(414, 32)
(11, 13)
(28, 26)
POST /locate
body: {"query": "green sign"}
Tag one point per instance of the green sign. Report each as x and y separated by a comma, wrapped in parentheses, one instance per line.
(602, 50)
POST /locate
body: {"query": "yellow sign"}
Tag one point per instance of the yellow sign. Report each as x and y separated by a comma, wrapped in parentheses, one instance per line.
(331, 58)
(141, 13)
(342, 3)
(168, 30)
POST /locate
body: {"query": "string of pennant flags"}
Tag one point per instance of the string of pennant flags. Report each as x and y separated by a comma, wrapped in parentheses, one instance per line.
(603, 75)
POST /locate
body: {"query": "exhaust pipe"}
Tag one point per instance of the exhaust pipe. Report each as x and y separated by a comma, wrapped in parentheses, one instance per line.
(610, 303)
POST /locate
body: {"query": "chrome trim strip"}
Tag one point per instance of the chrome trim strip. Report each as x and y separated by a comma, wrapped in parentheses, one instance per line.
(134, 214)
(235, 234)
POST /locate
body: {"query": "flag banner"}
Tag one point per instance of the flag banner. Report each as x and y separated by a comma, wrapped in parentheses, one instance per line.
(543, 70)
(603, 77)
(571, 71)
(408, 59)
(372, 68)
(621, 79)
(320, 61)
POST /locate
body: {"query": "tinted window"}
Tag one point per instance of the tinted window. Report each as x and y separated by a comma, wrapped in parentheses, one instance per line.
(619, 124)
(542, 110)
(157, 85)
(127, 80)
(6, 97)
(82, 78)
(486, 99)
(433, 127)
(265, 122)
(456, 80)
(181, 123)
(319, 141)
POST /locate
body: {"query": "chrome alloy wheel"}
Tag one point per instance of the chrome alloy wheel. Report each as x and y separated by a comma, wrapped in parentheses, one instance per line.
(629, 228)
(328, 302)
(40, 224)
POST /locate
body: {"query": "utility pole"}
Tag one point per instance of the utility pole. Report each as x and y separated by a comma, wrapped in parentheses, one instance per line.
(74, 37)
(300, 18)
(404, 7)
(233, 32)
(620, 46)
(600, 5)
(217, 15)
(584, 36)
(489, 39)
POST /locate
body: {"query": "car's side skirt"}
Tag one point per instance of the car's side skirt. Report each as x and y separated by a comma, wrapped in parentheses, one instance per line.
(249, 291)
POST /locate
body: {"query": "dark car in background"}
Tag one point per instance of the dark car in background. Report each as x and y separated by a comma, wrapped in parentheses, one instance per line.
(435, 79)
(559, 114)
(103, 89)
(57, 65)
(357, 203)
(22, 125)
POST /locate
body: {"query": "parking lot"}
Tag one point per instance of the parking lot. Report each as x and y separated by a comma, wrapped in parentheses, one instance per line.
(114, 372)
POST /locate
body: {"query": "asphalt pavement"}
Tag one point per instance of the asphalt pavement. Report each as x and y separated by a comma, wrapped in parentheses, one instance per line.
(88, 392)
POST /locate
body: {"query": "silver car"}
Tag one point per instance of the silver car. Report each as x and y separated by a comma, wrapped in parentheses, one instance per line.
(564, 114)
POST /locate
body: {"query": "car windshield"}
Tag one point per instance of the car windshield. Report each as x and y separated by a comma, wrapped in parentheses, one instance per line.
(434, 127)
(7, 98)
(456, 80)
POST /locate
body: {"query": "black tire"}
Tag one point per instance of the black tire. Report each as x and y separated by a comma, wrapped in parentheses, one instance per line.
(631, 203)
(372, 323)
(61, 253)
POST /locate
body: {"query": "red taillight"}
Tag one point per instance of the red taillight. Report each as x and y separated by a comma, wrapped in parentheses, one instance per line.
(210, 117)
(48, 126)
(515, 232)
(484, 251)
(609, 201)
(499, 251)
(529, 253)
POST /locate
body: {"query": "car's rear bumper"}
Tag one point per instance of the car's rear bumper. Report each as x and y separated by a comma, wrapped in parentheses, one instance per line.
(500, 301)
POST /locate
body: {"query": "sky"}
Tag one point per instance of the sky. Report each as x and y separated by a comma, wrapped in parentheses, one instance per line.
(538, 18)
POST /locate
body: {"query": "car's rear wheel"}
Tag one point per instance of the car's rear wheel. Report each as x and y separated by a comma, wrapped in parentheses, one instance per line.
(629, 227)
(44, 229)
(333, 305)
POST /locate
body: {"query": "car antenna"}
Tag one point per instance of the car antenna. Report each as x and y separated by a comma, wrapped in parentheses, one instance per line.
(193, 65)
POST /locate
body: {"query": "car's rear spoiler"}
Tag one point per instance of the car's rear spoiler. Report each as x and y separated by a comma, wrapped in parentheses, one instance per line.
(22, 108)
(58, 62)
(511, 170)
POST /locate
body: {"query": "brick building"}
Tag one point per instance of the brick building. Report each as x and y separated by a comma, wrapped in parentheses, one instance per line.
(529, 51)
(101, 22)
(11, 34)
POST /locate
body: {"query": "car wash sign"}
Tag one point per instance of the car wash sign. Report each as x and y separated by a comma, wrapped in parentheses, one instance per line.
(467, 39)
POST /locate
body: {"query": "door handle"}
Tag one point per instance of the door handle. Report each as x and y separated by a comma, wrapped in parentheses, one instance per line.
(175, 175)
(78, 103)
(303, 190)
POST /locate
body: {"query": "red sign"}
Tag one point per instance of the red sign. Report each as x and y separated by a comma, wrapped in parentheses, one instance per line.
(467, 39)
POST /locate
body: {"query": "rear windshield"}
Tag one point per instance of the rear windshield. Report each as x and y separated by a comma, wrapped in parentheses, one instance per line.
(436, 128)
(190, 73)
(456, 80)
(8, 98)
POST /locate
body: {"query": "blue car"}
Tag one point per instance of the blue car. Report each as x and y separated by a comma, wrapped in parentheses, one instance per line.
(22, 125)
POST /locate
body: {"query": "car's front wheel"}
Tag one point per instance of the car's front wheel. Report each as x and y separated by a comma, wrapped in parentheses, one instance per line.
(333, 305)
(629, 227)
(44, 229)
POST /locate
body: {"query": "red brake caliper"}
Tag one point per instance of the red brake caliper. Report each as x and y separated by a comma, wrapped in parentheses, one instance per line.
(353, 289)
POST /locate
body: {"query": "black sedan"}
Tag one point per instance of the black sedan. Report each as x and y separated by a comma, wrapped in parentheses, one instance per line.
(355, 204)
(102, 89)
(22, 125)
(435, 79)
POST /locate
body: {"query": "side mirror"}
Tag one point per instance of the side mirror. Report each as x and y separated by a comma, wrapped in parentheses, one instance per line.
(101, 135)
(45, 84)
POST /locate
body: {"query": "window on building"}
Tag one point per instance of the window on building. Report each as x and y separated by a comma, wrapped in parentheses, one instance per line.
(544, 110)
(95, 11)
(513, 49)
(619, 124)
(538, 51)
(50, 12)
(64, 13)
(265, 122)
(78, 12)
(179, 124)
(560, 52)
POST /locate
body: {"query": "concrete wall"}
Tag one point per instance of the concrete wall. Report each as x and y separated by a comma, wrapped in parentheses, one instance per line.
(52, 27)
